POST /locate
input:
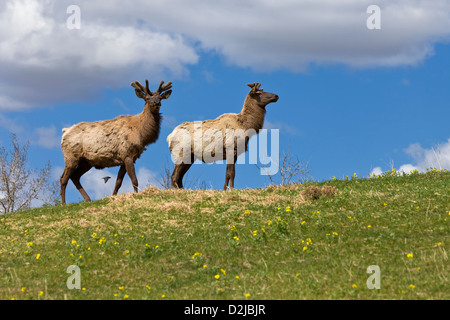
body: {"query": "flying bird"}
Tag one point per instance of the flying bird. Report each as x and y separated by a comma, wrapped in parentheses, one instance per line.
(106, 179)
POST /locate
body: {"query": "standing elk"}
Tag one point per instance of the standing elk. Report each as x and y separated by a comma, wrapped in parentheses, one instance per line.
(110, 143)
(223, 138)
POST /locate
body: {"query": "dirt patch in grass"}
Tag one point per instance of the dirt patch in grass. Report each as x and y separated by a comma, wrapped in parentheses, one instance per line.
(314, 192)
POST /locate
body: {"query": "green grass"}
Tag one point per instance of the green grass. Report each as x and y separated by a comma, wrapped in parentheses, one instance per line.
(203, 245)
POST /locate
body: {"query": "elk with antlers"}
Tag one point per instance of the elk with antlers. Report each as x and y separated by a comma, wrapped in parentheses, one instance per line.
(110, 143)
(223, 138)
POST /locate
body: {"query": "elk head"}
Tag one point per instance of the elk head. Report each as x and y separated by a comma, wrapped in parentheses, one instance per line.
(152, 99)
(262, 98)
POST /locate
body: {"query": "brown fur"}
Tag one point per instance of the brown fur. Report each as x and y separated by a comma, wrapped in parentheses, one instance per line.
(110, 143)
(251, 118)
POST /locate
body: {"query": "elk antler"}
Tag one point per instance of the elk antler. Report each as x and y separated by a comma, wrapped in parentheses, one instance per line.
(141, 92)
(163, 87)
(255, 87)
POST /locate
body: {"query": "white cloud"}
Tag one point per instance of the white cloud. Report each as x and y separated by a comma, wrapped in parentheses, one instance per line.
(437, 156)
(376, 171)
(283, 127)
(271, 34)
(43, 62)
(10, 124)
(47, 137)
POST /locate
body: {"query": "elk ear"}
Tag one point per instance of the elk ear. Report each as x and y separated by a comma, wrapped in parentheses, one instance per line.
(166, 94)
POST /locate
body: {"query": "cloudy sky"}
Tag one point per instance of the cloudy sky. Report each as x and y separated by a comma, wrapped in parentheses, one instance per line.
(352, 99)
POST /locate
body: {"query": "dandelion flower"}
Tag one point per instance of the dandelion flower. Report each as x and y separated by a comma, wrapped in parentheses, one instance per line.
(41, 293)
(247, 212)
(409, 255)
(354, 286)
(288, 209)
(38, 256)
(217, 276)
(247, 295)
(412, 286)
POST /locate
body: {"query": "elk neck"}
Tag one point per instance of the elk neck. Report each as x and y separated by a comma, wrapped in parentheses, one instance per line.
(252, 115)
(149, 125)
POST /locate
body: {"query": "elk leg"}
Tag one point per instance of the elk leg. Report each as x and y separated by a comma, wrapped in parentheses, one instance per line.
(129, 167)
(175, 176)
(178, 173)
(119, 180)
(68, 170)
(229, 177)
(184, 168)
(81, 169)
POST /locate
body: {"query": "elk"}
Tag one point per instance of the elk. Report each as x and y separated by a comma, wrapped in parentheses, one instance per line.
(226, 137)
(110, 143)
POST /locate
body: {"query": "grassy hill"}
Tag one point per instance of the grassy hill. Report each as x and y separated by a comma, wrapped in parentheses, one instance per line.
(308, 241)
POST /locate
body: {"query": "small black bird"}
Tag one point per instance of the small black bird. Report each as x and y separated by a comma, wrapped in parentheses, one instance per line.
(106, 179)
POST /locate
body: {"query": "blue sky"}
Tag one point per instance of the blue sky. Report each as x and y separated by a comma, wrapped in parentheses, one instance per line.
(351, 99)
